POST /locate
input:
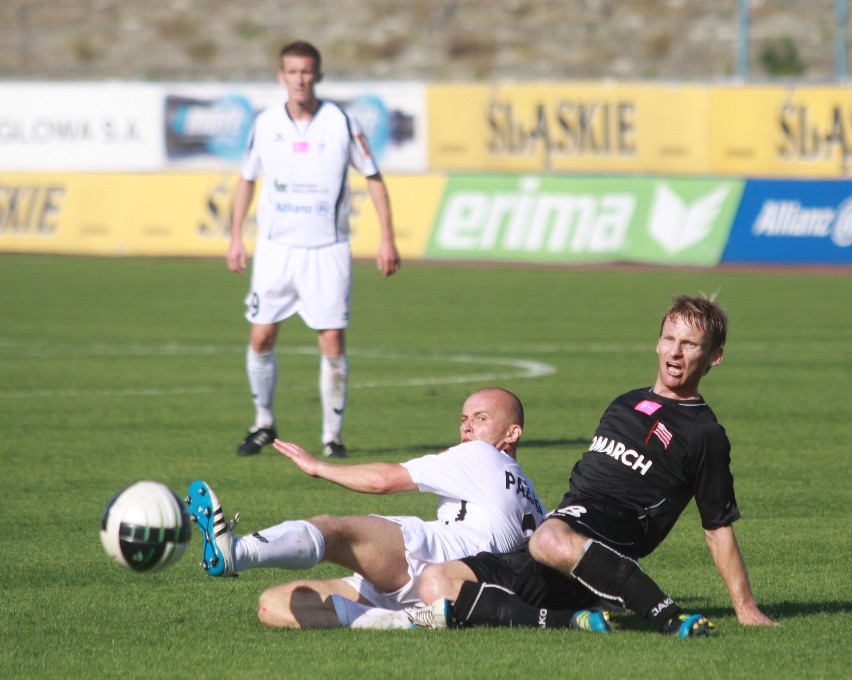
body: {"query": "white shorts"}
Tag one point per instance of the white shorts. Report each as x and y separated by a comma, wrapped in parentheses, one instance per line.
(314, 283)
(423, 546)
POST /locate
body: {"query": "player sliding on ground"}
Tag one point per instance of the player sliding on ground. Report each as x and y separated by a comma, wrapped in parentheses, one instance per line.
(486, 504)
(654, 450)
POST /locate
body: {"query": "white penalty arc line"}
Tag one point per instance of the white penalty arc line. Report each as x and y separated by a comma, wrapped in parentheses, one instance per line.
(523, 368)
(511, 369)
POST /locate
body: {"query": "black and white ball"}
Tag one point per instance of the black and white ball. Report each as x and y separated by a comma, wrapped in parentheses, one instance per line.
(145, 527)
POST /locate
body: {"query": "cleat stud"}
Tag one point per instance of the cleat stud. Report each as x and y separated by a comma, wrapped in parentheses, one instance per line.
(207, 512)
(202, 491)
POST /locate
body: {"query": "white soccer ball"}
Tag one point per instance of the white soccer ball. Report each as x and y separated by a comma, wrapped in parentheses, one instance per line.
(145, 527)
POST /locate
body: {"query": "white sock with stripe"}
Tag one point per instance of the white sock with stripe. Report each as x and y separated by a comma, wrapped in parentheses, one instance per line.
(293, 544)
(262, 371)
(334, 387)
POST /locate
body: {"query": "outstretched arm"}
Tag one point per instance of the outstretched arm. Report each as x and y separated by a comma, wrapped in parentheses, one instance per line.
(376, 478)
(731, 566)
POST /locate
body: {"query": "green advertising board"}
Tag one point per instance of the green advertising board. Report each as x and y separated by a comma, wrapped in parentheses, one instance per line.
(554, 218)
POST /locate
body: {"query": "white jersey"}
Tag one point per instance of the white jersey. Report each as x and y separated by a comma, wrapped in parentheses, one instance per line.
(486, 504)
(304, 197)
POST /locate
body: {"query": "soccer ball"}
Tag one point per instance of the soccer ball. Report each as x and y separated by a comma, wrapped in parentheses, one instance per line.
(145, 527)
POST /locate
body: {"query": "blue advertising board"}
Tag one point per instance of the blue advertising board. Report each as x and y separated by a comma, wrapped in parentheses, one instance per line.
(793, 222)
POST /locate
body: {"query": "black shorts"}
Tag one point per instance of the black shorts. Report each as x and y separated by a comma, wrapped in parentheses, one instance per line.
(534, 583)
(615, 526)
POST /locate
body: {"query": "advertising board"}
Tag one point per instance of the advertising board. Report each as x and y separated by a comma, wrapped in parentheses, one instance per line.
(549, 218)
(572, 127)
(782, 132)
(179, 213)
(793, 222)
(146, 127)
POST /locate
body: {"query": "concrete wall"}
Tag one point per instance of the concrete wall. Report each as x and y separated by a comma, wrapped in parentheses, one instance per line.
(434, 40)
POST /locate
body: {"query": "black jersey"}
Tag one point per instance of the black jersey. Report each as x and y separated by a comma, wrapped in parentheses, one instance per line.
(650, 455)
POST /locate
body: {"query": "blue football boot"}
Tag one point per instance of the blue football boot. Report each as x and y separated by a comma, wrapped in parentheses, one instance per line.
(689, 625)
(217, 533)
(592, 621)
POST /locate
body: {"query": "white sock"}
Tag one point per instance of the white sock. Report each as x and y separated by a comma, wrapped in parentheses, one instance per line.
(262, 370)
(355, 615)
(290, 545)
(334, 387)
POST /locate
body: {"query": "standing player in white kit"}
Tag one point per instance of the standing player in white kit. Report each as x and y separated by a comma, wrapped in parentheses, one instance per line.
(302, 261)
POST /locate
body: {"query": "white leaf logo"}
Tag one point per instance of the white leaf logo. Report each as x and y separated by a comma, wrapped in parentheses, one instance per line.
(676, 225)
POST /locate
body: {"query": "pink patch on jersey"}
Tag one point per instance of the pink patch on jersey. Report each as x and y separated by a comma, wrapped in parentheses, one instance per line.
(647, 407)
(301, 147)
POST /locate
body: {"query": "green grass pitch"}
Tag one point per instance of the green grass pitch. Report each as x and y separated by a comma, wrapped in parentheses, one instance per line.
(116, 370)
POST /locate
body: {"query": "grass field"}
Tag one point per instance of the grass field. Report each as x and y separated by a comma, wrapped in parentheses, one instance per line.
(116, 370)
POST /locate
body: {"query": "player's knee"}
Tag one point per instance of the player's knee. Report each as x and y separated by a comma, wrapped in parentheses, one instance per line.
(330, 527)
(551, 545)
(436, 582)
(541, 544)
(431, 584)
(273, 607)
(331, 343)
(262, 338)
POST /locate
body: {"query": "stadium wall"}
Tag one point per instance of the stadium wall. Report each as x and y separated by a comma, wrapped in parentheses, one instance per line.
(568, 172)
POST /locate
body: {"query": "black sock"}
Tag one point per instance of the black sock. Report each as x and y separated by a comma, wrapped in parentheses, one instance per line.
(619, 578)
(484, 604)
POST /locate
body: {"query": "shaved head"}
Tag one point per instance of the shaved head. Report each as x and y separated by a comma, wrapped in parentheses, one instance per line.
(506, 404)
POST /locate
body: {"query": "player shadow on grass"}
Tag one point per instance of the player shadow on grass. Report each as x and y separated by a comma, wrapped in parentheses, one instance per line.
(304, 599)
(780, 611)
(790, 610)
(524, 444)
(553, 443)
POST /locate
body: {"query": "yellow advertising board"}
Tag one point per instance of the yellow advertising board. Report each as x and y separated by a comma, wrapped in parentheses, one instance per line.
(672, 129)
(114, 214)
(176, 214)
(415, 201)
(803, 132)
(634, 128)
(568, 127)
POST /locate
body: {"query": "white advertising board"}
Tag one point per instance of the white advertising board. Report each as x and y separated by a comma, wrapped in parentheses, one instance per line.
(103, 127)
(80, 126)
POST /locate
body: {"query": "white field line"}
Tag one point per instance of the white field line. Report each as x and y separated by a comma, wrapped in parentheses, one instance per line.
(36, 350)
(500, 368)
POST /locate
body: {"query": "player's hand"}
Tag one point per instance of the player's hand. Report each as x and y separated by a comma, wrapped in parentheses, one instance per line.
(237, 257)
(387, 261)
(303, 460)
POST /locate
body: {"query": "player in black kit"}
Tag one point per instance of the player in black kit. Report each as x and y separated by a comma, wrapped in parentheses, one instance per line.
(655, 449)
